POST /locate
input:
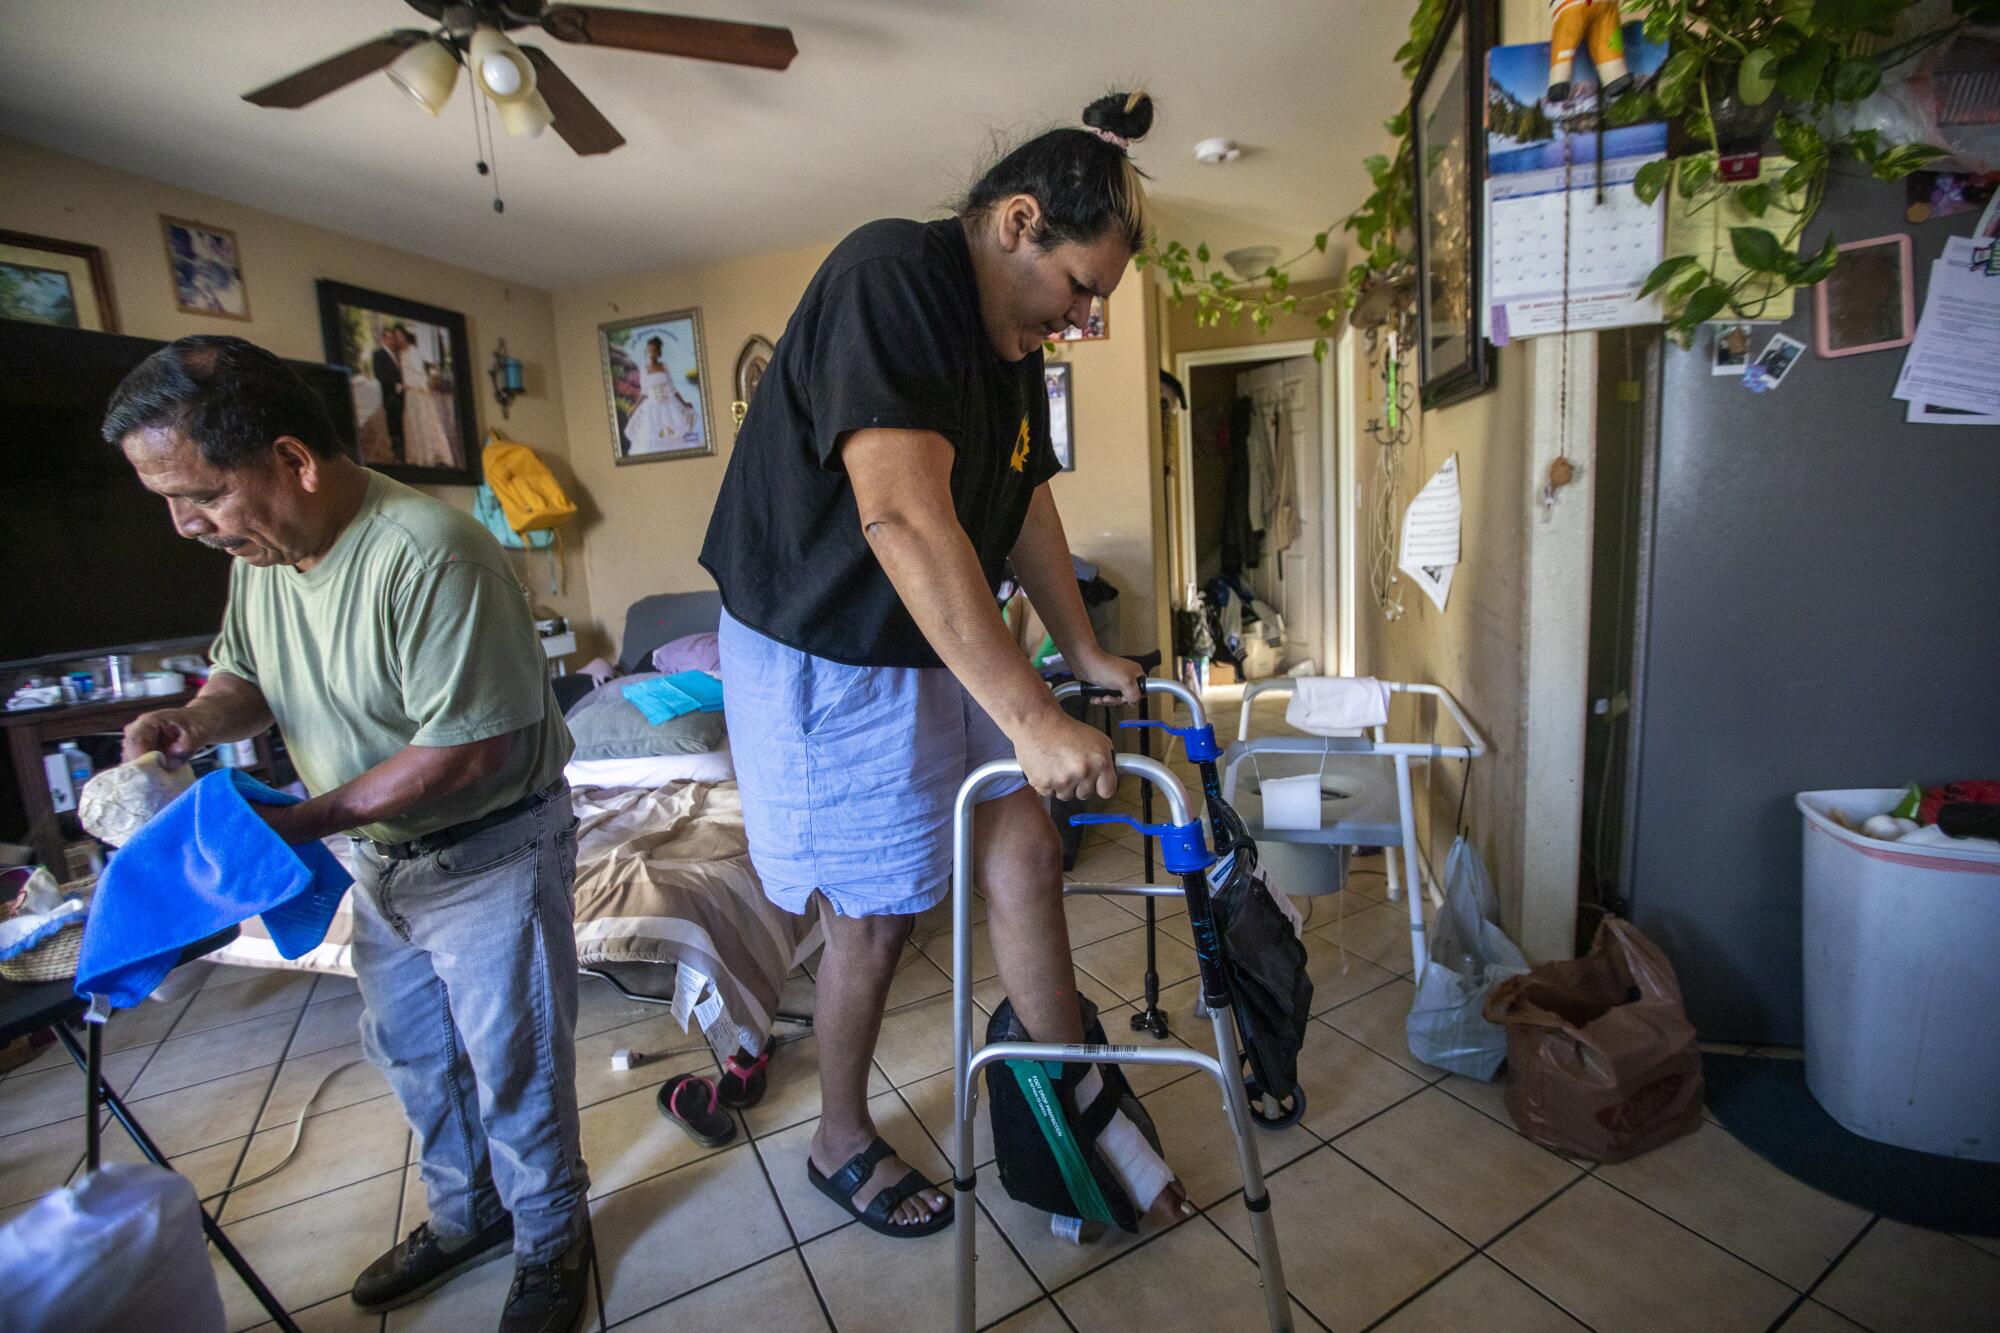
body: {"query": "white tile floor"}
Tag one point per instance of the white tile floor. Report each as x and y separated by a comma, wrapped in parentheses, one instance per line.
(1405, 1200)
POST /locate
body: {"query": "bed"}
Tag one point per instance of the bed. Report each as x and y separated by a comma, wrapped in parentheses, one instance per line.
(663, 874)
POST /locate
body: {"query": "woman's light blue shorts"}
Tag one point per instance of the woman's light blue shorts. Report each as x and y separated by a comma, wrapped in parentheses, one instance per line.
(849, 774)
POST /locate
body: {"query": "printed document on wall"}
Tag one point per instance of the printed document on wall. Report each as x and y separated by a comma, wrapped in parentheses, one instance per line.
(1429, 549)
(1955, 360)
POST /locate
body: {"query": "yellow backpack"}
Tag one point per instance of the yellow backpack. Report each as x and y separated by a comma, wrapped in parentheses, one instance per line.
(528, 492)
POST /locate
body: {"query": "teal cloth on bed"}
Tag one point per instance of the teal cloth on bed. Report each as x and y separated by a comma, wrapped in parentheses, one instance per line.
(203, 864)
(667, 697)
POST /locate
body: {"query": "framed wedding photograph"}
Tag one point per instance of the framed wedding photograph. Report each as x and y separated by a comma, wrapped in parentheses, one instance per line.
(1062, 412)
(656, 387)
(1447, 139)
(410, 372)
(47, 281)
(207, 269)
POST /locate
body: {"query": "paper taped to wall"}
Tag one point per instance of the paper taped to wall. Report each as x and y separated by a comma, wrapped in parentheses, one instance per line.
(1429, 551)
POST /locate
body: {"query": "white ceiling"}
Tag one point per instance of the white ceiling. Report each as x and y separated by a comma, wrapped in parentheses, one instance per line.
(886, 110)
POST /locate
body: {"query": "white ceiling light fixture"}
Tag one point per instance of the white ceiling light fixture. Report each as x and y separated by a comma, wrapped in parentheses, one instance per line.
(428, 72)
(1215, 152)
(1252, 261)
(499, 68)
(526, 117)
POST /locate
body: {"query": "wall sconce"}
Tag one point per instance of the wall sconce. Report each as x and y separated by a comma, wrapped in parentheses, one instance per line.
(505, 372)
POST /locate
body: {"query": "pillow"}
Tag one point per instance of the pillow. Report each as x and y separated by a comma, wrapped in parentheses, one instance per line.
(656, 771)
(691, 652)
(607, 725)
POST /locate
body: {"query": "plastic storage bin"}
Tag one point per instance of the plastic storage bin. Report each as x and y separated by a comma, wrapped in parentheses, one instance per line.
(1902, 982)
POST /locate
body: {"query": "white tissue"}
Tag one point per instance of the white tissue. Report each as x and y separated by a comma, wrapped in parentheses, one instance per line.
(120, 801)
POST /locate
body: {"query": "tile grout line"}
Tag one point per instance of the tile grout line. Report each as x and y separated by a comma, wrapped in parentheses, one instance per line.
(1827, 1272)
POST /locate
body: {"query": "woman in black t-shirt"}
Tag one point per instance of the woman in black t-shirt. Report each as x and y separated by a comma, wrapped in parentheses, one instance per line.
(896, 456)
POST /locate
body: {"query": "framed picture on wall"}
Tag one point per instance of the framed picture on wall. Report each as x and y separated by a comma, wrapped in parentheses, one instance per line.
(409, 370)
(1447, 140)
(207, 269)
(1098, 325)
(47, 281)
(1062, 412)
(656, 387)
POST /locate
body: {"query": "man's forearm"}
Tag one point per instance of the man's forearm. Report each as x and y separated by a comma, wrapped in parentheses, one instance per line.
(230, 708)
(1041, 559)
(413, 777)
(931, 564)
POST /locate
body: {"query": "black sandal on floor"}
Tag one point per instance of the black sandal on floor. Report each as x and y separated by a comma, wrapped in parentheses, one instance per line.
(742, 1083)
(701, 1116)
(842, 1184)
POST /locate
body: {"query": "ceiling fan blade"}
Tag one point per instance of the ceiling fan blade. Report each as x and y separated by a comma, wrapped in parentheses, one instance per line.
(672, 35)
(582, 126)
(316, 81)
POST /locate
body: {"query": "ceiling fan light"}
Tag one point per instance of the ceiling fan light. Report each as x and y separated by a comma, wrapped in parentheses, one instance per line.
(499, 68)
(526, 117)
(428, 72)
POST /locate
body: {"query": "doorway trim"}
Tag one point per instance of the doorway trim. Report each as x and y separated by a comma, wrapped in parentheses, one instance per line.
(1337, 651)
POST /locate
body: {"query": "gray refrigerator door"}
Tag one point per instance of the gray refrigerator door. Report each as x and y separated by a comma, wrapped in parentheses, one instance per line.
(1822, 611)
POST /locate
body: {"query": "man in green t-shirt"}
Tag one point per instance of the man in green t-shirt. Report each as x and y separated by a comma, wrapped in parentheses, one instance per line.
(383, 634)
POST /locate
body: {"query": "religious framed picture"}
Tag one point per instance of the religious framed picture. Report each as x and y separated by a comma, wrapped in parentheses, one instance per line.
(1062, 412)
(47, 281)
(1096, 326)
(1447, 140)
(410, 371)
(656, 387)
(207, 269)
(751, 363)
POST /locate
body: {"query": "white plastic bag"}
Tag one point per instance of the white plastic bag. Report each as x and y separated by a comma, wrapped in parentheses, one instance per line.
(123, 1249)
(1469, 956)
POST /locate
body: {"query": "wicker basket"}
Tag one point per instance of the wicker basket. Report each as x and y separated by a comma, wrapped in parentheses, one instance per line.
(55, 958)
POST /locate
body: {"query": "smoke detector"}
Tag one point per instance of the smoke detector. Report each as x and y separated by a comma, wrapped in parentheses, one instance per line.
(1217, 151)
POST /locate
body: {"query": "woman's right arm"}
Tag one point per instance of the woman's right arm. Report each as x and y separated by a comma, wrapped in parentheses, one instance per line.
(902, 488)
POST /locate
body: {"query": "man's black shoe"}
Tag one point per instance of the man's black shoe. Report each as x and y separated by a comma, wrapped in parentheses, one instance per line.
(418, 1264)
(551, 1297)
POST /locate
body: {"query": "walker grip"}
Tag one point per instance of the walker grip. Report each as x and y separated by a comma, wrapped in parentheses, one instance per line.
(1200, 741)
(1182, 847)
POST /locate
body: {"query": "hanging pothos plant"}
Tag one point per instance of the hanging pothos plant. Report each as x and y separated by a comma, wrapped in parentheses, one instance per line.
(1784, 64)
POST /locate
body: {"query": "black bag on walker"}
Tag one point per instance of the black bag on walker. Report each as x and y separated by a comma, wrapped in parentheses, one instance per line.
(1046, 1145)
(1266, 963)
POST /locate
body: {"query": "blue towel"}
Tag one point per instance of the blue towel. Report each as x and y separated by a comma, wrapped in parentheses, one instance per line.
(664, 698)
(203, 864)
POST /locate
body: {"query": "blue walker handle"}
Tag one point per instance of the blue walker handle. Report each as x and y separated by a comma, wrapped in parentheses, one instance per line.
(1182, 847)
(1200, 741)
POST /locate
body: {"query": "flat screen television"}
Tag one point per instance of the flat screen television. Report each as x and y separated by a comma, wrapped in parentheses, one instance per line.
(89, 561)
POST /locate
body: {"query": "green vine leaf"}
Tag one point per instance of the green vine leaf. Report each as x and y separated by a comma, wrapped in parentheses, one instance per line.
(1799, 73)
(1855, 78)
(1652, 179)
(1755, 80)
(1201, 252)
(1754, 199)
(1664, 273)
(1758, 250)
(1705, 304)
(1676, 81)
(1696, 172)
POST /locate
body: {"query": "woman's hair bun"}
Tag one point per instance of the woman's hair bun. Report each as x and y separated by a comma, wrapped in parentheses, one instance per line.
(1127, 115)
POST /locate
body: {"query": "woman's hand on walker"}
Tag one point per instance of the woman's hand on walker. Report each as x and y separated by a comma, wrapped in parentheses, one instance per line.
(1066, 759)
(1111, 673)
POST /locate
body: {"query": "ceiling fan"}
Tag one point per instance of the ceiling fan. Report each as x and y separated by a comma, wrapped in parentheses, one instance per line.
(530, 93)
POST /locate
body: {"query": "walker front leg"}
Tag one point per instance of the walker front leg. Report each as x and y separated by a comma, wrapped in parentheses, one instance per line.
(1256, 1197)
(964, 1176)
(1406, 808)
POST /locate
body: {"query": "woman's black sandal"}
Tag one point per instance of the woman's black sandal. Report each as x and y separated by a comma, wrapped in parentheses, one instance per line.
(842, 1184)
(690, 1101)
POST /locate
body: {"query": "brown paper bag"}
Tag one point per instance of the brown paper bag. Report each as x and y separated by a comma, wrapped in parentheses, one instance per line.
(1602, 1061)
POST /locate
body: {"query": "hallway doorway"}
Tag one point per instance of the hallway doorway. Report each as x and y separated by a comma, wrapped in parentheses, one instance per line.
(1255, 479)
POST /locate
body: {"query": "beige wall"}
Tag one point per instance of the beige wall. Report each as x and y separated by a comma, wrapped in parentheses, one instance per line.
(654, 515)
(50, 194)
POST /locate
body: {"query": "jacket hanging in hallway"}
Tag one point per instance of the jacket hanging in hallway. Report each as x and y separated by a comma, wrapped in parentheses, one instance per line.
(1274, 485)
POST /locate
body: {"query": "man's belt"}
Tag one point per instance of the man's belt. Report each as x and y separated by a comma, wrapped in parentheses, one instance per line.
(431, 843)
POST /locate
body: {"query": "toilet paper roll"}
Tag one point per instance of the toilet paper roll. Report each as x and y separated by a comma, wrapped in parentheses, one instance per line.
(1292, 803)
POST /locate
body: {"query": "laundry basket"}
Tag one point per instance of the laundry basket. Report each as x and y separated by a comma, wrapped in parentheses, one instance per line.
(1902, 981)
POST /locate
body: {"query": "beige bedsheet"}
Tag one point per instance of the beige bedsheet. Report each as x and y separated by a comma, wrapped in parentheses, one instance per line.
(663, 876)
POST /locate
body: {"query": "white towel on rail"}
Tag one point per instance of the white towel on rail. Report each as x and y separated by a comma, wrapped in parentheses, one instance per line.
(1338, 705)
